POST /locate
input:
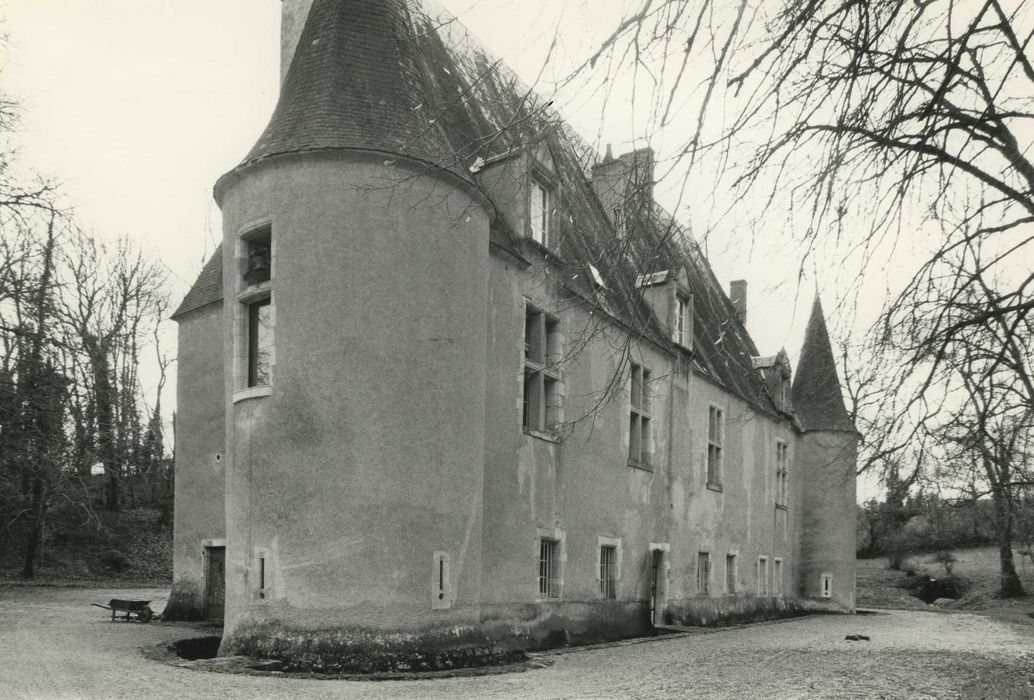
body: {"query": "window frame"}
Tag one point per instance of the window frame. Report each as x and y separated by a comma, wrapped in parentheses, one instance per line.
(777, 577)
(761, 576)
(548, 579)
(782, 473)
(541, 377)
(608, 554)
(715, 446)
(253, 310)
(541, 232)
(731, 573)
(704, 574)
(682, 322)
(640, 418)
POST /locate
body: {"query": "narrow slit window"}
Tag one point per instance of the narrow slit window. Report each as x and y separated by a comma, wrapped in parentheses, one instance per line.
(730, 573)
(827, 585)
(441, 588)
(703, 573)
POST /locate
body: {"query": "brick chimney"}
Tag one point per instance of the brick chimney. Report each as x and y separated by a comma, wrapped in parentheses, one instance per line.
(293, 14)
(624, 184)
(738, 297)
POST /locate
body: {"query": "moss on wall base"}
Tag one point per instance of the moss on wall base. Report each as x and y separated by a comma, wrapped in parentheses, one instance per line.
(362, 650)
(716, 612)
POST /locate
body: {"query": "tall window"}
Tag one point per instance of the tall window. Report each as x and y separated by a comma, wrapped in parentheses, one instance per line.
(541, 373)
(549, 574)
(715, 438)
(704, 573)
(730, 573)
(682, 328)
(639, 418)
(260, 342)
(539, 212)
(782, 488)
(608, 571)
(777, 577)
(762, 575)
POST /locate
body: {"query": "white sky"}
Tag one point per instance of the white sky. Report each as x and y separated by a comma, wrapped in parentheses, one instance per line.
(138, 106)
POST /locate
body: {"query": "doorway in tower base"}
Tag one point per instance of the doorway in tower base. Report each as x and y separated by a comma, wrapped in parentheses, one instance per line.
(215, 581)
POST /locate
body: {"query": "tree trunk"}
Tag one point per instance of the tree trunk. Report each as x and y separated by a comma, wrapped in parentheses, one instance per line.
(39, 516)
(1011, 587)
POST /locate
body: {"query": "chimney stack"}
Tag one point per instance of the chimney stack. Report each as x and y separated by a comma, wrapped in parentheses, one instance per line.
(624, 184)
(293, 14)
(738, 297)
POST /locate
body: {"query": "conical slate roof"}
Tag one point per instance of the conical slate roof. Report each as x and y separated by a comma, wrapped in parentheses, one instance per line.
(817, 400)
(356, 82)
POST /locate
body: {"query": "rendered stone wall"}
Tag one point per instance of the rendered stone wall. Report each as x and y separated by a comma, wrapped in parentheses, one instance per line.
(200, 456)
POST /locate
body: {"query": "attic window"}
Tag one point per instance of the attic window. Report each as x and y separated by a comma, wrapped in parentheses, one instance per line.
(682, 324)
(597, 278)
(539, 210)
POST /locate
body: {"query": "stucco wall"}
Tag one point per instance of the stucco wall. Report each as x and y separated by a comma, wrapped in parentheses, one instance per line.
(367, 456)
(200, 460)
(827, 533)
(582, 487)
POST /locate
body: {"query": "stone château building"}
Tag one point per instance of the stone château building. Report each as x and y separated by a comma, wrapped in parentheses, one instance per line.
(452, 370)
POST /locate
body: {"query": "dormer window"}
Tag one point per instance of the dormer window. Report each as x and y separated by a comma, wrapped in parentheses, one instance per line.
(539, 212)
(682, 323)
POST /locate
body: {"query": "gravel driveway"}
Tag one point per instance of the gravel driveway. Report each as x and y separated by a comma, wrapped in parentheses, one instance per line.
(53, 645)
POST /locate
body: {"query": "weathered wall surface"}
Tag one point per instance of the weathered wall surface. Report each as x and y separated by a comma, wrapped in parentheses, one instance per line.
(583, 488)
(200, 446)
(367, 455)
(827, 535)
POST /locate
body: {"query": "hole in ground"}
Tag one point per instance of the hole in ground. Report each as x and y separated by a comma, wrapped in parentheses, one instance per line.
(197, 648)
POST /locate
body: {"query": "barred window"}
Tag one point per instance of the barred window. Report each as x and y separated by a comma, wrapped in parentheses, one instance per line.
(549, 573)
(608, 571)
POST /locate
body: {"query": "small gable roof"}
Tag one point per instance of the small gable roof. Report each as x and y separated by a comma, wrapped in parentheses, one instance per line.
(207, 288)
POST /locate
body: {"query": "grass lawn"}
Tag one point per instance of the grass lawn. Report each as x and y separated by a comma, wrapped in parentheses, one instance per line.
(880, 587)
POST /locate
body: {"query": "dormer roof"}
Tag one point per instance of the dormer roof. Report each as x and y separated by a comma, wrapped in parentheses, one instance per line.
(817, 399)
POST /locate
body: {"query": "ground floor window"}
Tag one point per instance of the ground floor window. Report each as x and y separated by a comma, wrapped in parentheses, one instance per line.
(549, 569)
(730, 573)
(762, 587)
(608, 571)
(703, 573)
(827, 586)
(777, 577)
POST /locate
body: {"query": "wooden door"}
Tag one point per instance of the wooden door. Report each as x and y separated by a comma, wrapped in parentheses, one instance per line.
(215, 582)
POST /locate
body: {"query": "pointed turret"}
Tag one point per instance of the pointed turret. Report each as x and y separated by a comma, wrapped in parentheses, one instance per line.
(355, 82)
(817, 400)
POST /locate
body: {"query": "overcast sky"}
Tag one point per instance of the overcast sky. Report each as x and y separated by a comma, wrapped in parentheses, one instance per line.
(138, 106)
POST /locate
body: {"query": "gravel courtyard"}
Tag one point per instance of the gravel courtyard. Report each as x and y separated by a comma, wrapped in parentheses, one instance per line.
(54, 645)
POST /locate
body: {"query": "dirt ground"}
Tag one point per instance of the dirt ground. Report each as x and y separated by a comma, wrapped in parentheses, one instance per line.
(54, 645)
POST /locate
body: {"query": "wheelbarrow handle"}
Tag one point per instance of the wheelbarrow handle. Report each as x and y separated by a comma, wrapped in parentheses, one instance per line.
(98, 605)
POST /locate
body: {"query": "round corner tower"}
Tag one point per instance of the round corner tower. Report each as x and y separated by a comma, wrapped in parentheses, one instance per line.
(355, 277)
(826, 458)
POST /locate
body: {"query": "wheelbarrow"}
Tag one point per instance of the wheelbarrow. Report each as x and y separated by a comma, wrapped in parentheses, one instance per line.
(129, 609)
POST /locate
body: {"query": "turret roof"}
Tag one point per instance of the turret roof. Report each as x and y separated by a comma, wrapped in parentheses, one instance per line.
(816, 395)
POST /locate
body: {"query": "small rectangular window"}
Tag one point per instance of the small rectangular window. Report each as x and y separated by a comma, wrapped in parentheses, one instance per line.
(639, 417)
(541, 372)
(715, 439)
(730, 573)
(549, 574)
(260, 342)
(539, 212)
(703, 573)
(257, 254)
(608, 571)
(762, 576)
(827, 585)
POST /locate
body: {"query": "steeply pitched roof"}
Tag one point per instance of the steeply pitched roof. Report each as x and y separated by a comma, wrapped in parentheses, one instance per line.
(207, 288)
(356, 82)
(817, 400)
(404, 77)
